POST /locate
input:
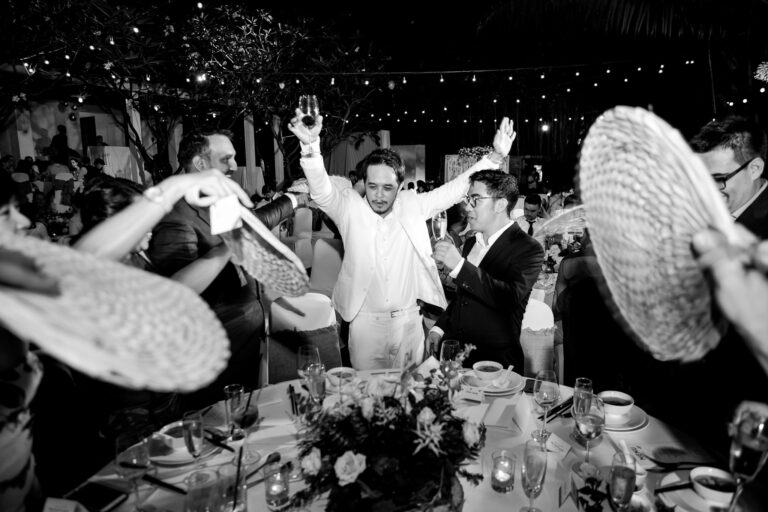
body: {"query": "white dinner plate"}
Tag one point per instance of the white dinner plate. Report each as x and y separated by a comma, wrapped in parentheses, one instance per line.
(470, 381)
(636, 419)
(683, 499)
(173, 435)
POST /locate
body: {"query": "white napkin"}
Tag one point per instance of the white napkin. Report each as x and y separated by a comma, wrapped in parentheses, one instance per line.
(502, 415)
(474, 413)
(427, 366)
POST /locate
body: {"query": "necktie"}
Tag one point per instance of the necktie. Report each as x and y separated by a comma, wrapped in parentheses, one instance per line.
(530, 227)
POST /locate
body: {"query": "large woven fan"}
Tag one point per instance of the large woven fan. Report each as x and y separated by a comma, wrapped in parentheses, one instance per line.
(646, 194)
(115, 322)
(572, 219)
(262, 255)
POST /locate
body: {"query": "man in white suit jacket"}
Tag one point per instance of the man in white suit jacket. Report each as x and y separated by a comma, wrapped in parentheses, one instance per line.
(388, 264)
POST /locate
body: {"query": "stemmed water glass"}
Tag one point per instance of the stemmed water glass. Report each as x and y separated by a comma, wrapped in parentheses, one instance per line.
(449, 351)
(622, 480)
(132, 460)
(749, 445)
(307, 356)
(533, 471)
(194, 434)
(589, 414)
(546, 392)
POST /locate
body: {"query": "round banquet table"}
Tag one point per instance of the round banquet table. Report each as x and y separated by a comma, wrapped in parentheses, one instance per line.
(277, 432)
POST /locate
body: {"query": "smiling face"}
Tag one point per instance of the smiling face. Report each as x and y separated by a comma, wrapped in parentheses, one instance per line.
(742, 186)
(381, 188)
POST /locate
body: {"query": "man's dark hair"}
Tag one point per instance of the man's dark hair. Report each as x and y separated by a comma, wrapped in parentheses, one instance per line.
(411, 186)
(744, 137)
(9, 190)
(533, 199)
(499, 184)
(384, 157)
(99, 161)
(196, 143)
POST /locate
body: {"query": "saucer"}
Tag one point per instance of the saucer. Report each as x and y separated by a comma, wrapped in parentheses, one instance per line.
(635, 420)
(470, 381)
(683, 499)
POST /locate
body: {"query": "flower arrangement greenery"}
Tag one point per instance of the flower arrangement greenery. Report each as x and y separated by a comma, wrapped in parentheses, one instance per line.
(476, 152)
(389, 446)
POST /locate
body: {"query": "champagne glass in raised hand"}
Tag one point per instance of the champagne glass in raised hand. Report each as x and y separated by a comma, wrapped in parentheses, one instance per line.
(440, 225)
(533, 471)
(589, 414)
(310, 109)
(749, 445)
(132, 460)
(194, 434)
(546, 392)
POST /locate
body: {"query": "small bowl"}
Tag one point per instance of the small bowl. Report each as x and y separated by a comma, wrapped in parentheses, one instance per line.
(340, 373)
(487, 370)
(714, 485)
(616, 403)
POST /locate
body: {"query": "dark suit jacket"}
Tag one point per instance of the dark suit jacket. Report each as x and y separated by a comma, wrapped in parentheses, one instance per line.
(755, 218)
(491, 299)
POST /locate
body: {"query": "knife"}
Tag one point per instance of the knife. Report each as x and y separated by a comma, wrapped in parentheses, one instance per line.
(165, 485)
(674, 487)
(558, 410)
(216, 442)
(292, 397)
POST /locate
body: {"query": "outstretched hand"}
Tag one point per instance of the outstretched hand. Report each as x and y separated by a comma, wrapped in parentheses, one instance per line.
(505, 136)
(206, 187)
(302, 132)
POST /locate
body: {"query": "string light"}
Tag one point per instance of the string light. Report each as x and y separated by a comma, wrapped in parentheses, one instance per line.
(405, 81)
(762, 89)
(111, 40)
(509, 77)
(66, 56)
(545, 127)
(258, 80)
(68, 74)
(608, 71)
(135, 30)
(639, 68)
(445, 109)
(568, 89)
(474, 78)
(467, 105)
(744, 100)
(441, 78)
(517, 100)
(201, 77)
(199, 5)
(577, 73)
(595, 84)
(46, 62)
(542, 76)
(298, 81)
(543, 96)
(90, 47)
(333, 81)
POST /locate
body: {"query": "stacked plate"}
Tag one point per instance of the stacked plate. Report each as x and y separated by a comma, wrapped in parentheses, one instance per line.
(497, 387)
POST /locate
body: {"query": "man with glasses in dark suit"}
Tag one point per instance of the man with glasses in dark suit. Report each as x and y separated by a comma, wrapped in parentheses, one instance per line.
(734, 151)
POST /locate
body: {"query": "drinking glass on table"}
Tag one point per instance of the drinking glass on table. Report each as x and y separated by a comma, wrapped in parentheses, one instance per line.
(305, 357)
(315, 379)
(533, 471)
(622, 480)
(234, 405)
(749, 445)
(194, 434)
(582, 390)
(132, 460)
(546, 392)
(589, 415)
(449, 351)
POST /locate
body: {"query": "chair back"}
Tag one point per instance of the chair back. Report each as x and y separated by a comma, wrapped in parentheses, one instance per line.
(302, 223)
(294, 321)
(537, 337)
(326, 265)
(303, 249)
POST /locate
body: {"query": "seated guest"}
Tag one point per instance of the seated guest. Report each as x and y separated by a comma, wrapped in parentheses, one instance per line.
(494, 277)
(532, 213)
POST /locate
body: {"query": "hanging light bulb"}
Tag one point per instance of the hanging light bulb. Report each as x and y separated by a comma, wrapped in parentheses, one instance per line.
(405, 81)
(333, 81)
(111, 40)
(66, 56)
(577, 73)
(441, 78)
(509, 77)
(46, 62)
(90, 47)
(80, 99)
(135, 30)
(542, 76)
(474, 78)
(147, 77)
(367, 82)
(545, 127)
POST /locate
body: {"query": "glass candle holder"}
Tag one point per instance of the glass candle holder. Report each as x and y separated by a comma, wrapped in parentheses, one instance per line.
(202, 492)
(232, 488)
(277, 486)
(503, 471)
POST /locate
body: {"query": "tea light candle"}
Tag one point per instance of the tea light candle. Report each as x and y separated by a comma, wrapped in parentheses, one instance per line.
(503, 472)
(276, 488)
(501, 476)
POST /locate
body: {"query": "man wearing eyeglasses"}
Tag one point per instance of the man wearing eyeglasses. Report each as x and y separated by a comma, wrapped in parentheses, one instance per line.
(734, 151)
(388, 266)
(493, 277)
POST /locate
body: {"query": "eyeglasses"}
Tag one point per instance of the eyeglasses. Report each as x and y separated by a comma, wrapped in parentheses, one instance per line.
(722, 179)
(472, 200)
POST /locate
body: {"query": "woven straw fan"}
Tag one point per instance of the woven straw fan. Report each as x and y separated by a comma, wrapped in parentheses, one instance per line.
(646, 194)
(568, 220)
(268, 260)
(115, 322)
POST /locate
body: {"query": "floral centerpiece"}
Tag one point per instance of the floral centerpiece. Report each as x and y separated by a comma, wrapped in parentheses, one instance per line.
(475, 153)
(389, 446)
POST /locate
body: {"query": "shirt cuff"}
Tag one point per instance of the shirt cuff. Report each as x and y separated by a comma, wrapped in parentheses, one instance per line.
(455, 272)
(310, 150)
(294, 201)
(437, 330)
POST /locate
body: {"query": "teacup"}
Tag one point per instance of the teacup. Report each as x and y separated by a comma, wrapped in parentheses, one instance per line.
(714, 485)
(616, 403)
(487, 370)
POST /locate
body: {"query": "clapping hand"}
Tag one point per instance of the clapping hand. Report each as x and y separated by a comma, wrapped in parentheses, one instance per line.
(505, 136)
(206, 187)
(302, 132)
(446, 254)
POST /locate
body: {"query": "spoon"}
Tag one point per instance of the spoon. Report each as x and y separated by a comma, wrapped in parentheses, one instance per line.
(273, 457)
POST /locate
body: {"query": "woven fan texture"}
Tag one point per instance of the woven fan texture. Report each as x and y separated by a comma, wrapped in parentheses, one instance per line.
(268, 260)
(646, 194)
(569, 220)
(115, 322)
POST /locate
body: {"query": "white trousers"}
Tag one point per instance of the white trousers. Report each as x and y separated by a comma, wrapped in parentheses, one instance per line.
(386, 340)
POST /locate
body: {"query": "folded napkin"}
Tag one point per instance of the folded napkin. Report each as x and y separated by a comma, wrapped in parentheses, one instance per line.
(502, 414)
(427, 366)
(473, 413)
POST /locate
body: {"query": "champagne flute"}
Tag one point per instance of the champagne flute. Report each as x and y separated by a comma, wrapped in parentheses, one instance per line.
(307, 356)
(234, 404)
(622, 480)
(533, 471)
(310, 109)
(749, 445)
(590, 420)
(546, 392)
(194, 434)
(132, 460)
(440, 225)
(449, 351)
(582, 390)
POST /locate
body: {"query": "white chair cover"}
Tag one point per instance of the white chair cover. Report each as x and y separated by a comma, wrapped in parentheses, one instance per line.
(537, 337)
(302, 223)
(303, 249)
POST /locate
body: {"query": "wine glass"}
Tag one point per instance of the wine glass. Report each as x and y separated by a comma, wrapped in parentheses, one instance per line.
(589, 414)
(132, 460)
(546, 392)
(194, 434)
(622, 480)
(234, 405)
(310, 109)
(533, 471)
(307, 356)
(347, 383)
(440, 225)
(449, 351)
(749, 445)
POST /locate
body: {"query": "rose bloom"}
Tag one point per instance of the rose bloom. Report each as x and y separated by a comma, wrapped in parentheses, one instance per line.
(426, 416)
(366, 407)
(348, 467)
(312, 462)
(471, 433)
